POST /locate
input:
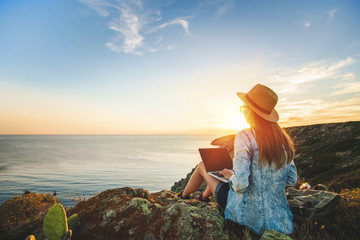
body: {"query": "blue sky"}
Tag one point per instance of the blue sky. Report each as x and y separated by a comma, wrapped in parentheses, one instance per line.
(138, 67)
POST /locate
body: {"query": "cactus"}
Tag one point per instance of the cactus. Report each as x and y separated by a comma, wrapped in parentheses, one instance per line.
(73, 222)
(55, 223)
(56, 226)
(272, 234)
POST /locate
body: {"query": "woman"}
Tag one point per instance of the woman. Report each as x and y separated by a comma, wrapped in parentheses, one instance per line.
(262, 167)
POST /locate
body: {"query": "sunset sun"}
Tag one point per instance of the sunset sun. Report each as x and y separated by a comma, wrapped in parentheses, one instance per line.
(235, 123)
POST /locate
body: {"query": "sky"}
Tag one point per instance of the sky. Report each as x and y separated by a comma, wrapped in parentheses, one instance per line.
(174, 66)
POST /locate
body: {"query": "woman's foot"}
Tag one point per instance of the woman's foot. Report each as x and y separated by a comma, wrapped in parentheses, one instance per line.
(202, 198)
(180, 195)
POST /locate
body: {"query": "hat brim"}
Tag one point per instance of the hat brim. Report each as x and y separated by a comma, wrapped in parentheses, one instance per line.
(272, 117)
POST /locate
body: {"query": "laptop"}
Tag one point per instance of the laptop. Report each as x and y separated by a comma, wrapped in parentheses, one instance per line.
(215, 160)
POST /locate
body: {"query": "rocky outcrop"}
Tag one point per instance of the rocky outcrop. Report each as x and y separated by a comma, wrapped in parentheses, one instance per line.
(127, 213)
(122, 213)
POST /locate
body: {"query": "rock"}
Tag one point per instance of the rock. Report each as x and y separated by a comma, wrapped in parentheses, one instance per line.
(127, 213)
(226, 142)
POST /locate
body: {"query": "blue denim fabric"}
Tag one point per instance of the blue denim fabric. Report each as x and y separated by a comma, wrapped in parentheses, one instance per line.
(221, 194)
(257, 196)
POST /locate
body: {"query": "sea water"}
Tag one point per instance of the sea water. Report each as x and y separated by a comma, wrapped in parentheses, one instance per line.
(79, 166)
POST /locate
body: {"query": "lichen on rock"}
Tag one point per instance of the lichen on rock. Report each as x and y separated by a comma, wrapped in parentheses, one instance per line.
(158, 216)
(142, 203)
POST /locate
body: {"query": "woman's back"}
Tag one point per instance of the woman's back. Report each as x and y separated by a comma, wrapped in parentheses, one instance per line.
(258, 198)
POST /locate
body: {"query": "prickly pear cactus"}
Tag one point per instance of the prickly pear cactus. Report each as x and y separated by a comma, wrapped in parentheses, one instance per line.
(55, 223)
(31, 237)
(73, 222)
(272, 234)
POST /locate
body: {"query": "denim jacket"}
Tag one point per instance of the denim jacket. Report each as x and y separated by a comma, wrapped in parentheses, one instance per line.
(257, 196)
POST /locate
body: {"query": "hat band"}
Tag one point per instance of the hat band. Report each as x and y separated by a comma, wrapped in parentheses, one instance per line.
(257, 106)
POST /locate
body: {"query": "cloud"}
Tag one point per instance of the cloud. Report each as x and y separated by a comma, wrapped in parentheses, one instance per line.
(302, 83)
(127, 28)
(133, 25)
(313, 111)
(346, 87)
(169, 47)
(331, 13)
(182, 22)
(289, 79)
(225, 6)
(98, 5)
(307, 24)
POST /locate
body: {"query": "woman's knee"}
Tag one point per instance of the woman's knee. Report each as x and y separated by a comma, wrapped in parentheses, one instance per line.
(201, 165)
(201, 168)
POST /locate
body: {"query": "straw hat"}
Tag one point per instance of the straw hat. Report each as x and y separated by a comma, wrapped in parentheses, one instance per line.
(261, 100)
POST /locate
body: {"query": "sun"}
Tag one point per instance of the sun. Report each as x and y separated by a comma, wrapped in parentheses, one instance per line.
(237, 123)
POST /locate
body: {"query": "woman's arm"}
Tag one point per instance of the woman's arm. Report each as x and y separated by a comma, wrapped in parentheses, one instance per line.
(292, 175)
(241, 163)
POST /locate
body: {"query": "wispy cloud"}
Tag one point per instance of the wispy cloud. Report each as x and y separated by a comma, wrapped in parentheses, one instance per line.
(313, 111)
(304, 82)
(289, 79)
(98, 5)
(126, 27)
(346, 87)
(133, 25)
(324, 17)
(225, 6)
(182, 22)
(331, 14)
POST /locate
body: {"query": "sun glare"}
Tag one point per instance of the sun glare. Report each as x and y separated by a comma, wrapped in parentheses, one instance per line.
(236, 123)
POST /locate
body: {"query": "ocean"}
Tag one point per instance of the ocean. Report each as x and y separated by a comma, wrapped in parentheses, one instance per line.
(79, 166)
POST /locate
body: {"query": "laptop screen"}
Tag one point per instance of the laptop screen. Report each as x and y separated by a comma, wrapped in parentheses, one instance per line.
(216, 159)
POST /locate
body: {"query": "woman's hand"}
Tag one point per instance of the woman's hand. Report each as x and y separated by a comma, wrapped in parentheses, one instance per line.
(227, 173)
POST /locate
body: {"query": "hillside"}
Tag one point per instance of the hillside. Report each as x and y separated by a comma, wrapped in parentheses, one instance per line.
(325, 153)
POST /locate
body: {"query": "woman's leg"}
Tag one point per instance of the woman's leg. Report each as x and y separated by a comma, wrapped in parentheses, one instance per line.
(207, 192)
(198, 176)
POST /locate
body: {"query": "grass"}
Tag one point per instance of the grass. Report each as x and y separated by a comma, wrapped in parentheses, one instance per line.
(327, 176)
(341, 146)
(345, 181)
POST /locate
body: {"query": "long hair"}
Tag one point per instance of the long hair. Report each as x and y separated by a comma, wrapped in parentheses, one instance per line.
(275, 145)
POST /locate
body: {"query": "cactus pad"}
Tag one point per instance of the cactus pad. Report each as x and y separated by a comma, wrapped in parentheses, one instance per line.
(73, 222)
(31, 237)
(55, 223)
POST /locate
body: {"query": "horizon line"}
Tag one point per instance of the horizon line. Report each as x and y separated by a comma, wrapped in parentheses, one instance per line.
(227, 132)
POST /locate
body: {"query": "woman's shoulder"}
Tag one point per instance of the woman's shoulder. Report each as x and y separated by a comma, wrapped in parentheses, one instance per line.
(247, 136)
(247, 132)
